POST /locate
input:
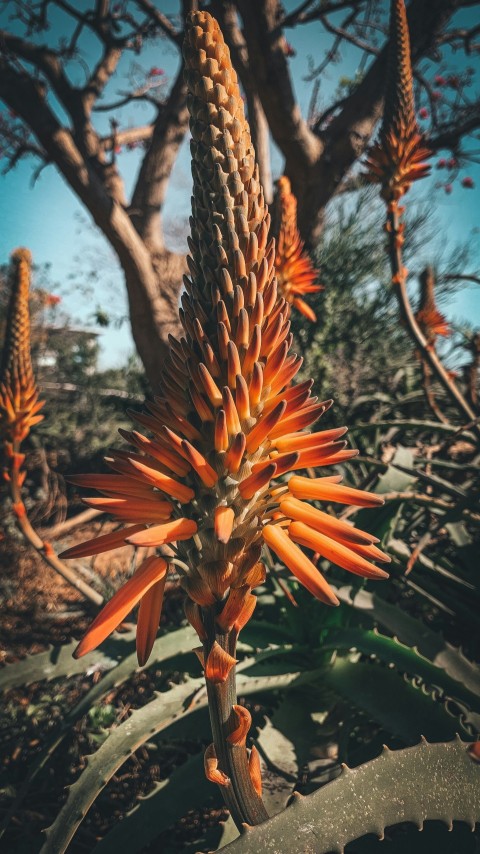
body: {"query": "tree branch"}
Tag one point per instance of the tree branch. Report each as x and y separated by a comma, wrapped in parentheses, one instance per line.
(266, 48)
(127, 136)
(151, 187)
(45, 60)
(161, 21)
(449, 136)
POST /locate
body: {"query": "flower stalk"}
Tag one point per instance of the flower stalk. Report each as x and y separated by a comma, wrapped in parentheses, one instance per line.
(396, 161)
(242, 799)
(19, 411)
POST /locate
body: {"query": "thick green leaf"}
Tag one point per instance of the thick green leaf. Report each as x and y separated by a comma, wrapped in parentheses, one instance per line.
(415, 634)
(144, 723)
(398, 706)
(186, 788)
(427, 782)
(171, 644)
(58, 661)
(406, 659)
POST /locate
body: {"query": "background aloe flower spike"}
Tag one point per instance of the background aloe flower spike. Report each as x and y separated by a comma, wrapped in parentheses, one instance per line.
(19, 403)
(430, 320)
(227, 422)
(19, 412)
(398, 158)
(296, 275)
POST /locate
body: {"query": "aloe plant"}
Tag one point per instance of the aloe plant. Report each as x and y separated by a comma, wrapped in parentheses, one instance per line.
(227, 428)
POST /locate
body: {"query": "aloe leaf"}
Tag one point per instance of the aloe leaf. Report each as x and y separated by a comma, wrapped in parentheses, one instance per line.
(171, 644)
(415, 634)
(58, 662)
(144, 723)
(397, 705)
(406, 659)
(426, 782)
(186, 788)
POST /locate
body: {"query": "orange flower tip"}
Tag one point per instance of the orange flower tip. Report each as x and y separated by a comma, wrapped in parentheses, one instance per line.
(299, 511)
(243, 719)
(157, 535)
(212, 771)
(98, 545)
(48, 549)
(148, 619)
(326, 489)
(152, 570)
(336, 552)
(218, 664)
(21, 254)
(198, 650)
(163, 482)
(18, 508)
(299, 564)
(206, 473)
(255, 770)
(224, 519)
(305, 309)
(257, 481)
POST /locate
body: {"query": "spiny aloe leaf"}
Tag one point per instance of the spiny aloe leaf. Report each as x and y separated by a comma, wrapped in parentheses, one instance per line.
(144, 723)
(171, 644)
(413, 633)
(289, 738)
(120, 744)
(406, 659)
(394, 479)
(427, 782)
(58, 661)
(400, 707)
(186, 788)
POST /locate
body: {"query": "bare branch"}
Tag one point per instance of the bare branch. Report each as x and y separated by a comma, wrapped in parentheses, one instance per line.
(100, 77)
(161, 21)
(127, 137)
(266, 46)
(449, 136)
(460, 277)
(45, 60)
(302, 16)
(149, 193)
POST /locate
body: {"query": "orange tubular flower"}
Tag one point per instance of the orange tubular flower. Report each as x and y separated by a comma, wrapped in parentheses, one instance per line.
(397, 159)
(295, 273)
(429, 318)
(228, 419)
(19, 403)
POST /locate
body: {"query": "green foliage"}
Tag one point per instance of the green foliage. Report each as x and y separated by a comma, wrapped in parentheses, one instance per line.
(427, 782)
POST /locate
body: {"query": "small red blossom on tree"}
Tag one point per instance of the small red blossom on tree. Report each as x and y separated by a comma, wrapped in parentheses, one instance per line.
(52, 300)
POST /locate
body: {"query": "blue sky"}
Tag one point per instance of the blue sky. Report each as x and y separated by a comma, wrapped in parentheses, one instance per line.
(51, 222)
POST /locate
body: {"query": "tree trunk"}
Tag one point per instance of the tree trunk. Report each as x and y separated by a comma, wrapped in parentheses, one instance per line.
(154, 311)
